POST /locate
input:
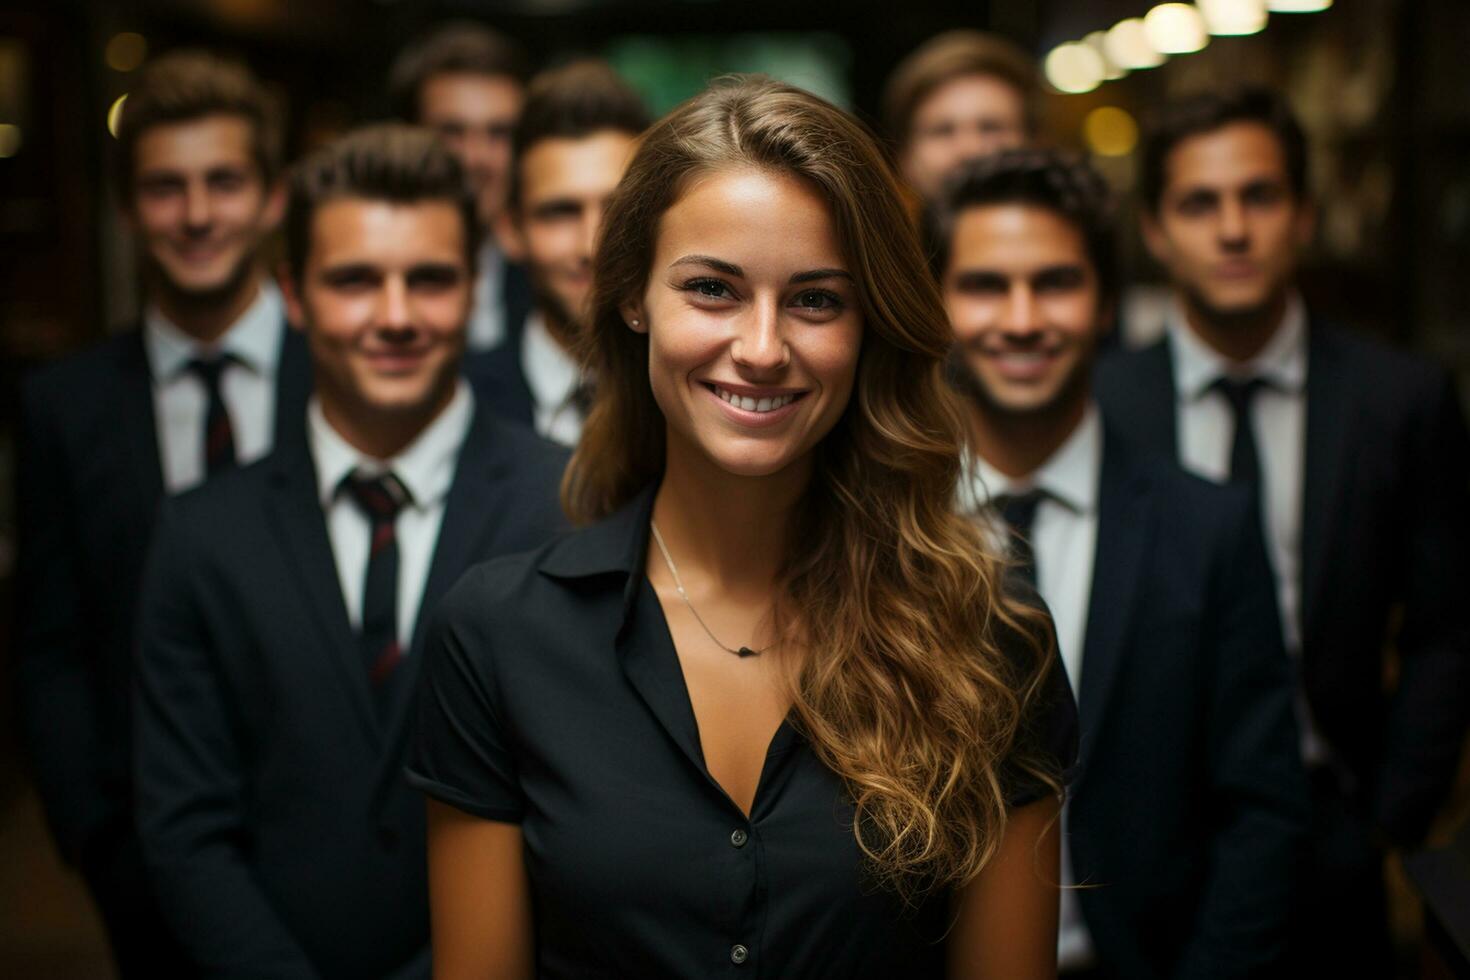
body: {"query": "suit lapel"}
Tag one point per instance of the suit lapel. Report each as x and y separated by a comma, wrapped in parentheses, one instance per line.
(301, 528)
(1124, 534)
(135, 416)
(1331, 411)
(474, 509)
(293, 388)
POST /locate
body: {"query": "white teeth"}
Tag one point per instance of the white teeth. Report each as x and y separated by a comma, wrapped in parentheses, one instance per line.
(755, 404)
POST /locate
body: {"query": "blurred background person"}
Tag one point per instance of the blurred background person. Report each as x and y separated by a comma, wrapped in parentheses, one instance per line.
(467, 83)
(1361, 461)
(1188, 805)
(279, 635)
(580, 125)
(959, 96)
(210, 379)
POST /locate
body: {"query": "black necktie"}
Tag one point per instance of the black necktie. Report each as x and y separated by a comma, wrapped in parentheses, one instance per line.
(1019, 511)
(1245, 461)
(380, 499)
(219, 434)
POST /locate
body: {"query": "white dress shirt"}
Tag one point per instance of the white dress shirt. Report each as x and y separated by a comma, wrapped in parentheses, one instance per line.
(247, 385)
(1064, 542)
(1206, 427)
(553, 377)
(426, 468)
(487, 315)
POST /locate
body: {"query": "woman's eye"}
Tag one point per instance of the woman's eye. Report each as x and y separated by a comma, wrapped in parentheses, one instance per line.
(817, 299)
(710, 288)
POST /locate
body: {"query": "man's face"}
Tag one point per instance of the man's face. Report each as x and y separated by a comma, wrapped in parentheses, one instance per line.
(964, 118)
(475, 115)
(1024, 301)
(383, 299)
(199, 203)
(1228, 226)
(565, 185)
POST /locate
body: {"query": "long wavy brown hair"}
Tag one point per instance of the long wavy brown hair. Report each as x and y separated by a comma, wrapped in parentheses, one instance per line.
(905, 690)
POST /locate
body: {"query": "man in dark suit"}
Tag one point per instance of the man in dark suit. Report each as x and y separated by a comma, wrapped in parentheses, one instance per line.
(572, 144)
(206, 382)
(467, 82)
(280, 622)
(1360, 458)
(1189, 802)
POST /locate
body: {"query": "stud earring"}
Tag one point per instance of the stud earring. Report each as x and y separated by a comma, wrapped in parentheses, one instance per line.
(634, 323)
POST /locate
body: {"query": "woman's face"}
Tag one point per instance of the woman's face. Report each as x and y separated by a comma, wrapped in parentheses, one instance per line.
(753, 321)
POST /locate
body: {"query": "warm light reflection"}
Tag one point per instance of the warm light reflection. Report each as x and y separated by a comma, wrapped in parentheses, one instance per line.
(126, 51)
(1097, 41)
(1074, 68)
(1297, 6)
(1127, 46)
(1233, 18)
(1175, 28)
(9, 140)
(1110, 131)
(115, 113)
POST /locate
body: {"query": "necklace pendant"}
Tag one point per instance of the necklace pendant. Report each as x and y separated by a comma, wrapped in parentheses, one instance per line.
(744, 652)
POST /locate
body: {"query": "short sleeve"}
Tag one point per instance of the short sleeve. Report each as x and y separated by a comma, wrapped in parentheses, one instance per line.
(461, 753)
(1048, 733)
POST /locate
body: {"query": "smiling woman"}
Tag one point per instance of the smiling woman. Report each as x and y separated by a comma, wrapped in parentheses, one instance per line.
(649, 747)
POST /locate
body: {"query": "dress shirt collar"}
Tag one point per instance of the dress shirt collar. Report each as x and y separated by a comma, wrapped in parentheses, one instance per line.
(551, 373)
(1282, 363)
(1070, 475)
(426, 467)
(253, 340)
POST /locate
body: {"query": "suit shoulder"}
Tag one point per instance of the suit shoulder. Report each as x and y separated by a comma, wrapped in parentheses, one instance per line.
(58, 384)
(222, 504)
(1404, 369)
(1117, 366)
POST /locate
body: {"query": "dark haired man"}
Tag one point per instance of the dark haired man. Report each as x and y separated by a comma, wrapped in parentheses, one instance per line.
(204, 384)
(1359, 456)
(1189, 801)
(574, 140)
(959, 96)
(467, 82)
(283, 606)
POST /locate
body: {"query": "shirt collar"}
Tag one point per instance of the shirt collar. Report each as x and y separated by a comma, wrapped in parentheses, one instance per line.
(253, 340)
(551, 373)
(1282, 362)
(426, 466)
(1070, 475)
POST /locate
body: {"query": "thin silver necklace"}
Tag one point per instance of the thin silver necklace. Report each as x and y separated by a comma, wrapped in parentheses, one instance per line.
(679, 588)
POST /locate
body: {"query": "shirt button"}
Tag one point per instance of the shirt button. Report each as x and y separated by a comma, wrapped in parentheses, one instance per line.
(739, 954)
(739, 837)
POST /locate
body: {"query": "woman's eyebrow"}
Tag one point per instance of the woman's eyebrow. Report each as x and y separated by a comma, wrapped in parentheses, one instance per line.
(731, 269)
(719, 265)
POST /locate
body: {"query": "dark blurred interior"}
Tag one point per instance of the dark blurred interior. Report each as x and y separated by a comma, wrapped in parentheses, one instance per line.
(1380, 85)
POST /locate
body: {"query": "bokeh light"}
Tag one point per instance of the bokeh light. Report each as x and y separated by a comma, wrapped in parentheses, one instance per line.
(1097, 41)
(1175, 28)
(1128, 46)
(1297, 6)
(1110, 131)
(115, 113)
(126, 51)
(1233, 18)
(9, 140)
(1074, 68)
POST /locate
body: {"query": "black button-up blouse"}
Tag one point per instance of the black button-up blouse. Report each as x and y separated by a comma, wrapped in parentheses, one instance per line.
(552, 697)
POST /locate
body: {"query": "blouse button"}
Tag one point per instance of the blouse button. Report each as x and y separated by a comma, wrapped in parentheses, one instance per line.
(739, 837)
(739, 954)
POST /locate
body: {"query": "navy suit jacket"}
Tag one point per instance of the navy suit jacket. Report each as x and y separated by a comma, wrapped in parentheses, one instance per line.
(89, 482)
(1188, 802)
(282, 840)
(1385, 559)
(496, 375)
